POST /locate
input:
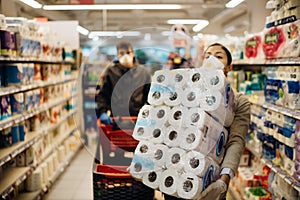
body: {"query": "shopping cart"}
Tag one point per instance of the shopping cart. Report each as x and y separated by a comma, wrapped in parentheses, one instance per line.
(111, 179)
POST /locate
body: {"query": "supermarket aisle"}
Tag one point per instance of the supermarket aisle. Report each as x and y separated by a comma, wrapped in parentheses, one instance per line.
(76, 182)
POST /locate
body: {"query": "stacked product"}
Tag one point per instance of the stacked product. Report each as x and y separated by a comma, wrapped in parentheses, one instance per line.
(181, 133)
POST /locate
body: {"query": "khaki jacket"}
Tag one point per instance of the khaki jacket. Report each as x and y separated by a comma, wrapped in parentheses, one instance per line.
(237, 133)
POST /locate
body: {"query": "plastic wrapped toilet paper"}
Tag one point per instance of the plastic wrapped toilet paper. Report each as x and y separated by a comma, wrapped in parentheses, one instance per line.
(191, 97)
(141, 133)
(160, 152)
(159, 114)
(218, 106)
(145, 112)
(157, 94)
(169, 181)
(215, 80)
(189, 186)
(152, 178)
(172, 136)
(157, 134)
(176, 116)
(175, 158)
(196, 117)
(197, 163)
(178, 77)
(162, 77)
(191, 138)
(173, 97)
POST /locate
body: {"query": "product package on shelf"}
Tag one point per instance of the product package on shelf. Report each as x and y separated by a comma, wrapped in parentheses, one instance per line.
(182, 132)
(282, 41)
(253, 46)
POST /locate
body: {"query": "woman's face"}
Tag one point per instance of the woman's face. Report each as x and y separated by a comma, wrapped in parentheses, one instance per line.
(220, 54)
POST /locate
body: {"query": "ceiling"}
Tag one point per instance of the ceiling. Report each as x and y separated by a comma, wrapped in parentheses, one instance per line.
(220, 18)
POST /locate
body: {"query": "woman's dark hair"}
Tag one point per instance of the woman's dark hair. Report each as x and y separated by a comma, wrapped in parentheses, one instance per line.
(228, 54)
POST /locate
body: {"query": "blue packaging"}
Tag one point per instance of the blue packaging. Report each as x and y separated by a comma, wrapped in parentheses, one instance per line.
(15, 134)
(17, 103)
(5, 138)
(25, 79)
(274, 91)
(5, 107)
(22, 132)
(13, 74)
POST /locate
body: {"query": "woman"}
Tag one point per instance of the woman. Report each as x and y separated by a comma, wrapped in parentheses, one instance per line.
(237, 133)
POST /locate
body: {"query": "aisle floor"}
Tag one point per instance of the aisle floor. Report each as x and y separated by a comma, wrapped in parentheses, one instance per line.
(76, 182)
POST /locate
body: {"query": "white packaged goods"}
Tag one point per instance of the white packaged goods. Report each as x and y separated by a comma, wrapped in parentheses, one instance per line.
(182, 132)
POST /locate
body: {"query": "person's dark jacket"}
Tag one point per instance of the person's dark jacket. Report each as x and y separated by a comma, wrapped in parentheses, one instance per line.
(123, 91)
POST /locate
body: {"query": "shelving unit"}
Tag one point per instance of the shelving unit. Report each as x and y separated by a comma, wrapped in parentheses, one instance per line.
(14, 176)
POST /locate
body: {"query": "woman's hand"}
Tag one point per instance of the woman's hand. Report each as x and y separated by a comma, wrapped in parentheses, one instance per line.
(216, 190)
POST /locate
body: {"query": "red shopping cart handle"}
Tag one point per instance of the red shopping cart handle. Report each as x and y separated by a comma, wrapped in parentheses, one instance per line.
(133, 118)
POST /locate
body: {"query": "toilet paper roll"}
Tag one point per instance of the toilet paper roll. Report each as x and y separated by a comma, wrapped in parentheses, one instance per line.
(159, 114)
(179, 77)
(162, 77)
(191, 139)
(197, 163)
(141, 133)
(176, 116)
(157, 134)
(160, 152)
(191, 97)
(145, 112)
(175, 158)
(169, 182)
(214, 80)
(152, 179)
(218, 106)
(157, 94)
(172, 136)
(196, 117)
(189, 186)
(173, 97)
(144, 148)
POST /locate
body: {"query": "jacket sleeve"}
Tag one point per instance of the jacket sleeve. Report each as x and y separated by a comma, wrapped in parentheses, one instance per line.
(237, 134)
(103, 94)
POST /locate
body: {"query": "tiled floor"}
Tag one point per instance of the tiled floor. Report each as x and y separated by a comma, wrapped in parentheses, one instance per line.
(76, 182)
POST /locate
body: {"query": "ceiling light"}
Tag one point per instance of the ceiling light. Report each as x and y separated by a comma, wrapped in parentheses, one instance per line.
(147, 36)
(166, 33)
(233, 3)
(200, 25)
(183, 21)
(114, 7)
(114, 33)
(82, 30)
(32, 3)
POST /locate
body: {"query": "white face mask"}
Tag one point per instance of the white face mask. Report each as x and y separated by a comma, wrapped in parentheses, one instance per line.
(213, 63)
(126, 60)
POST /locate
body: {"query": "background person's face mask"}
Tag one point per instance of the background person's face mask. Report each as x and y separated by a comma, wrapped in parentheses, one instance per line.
(126, 60)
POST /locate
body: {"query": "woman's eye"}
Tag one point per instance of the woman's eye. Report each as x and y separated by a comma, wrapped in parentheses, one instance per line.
(207, 56)
(219, 57)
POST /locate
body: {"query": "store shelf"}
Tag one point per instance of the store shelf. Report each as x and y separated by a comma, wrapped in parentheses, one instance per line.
(290, 180)
(277, 61)
(11, 177)
(21, 117)
(9, 153)
(286, 111)
(61, 168)
(22, 88)
(30, 60)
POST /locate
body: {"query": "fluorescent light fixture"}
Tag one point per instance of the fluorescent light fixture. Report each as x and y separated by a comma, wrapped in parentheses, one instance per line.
(82, 30)
(183, 21)
(32, 3)
(147, 36)
(233, 3)
(200, 25)
(114, 7)
(113, 33)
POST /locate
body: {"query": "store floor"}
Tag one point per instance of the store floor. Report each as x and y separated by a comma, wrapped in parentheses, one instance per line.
(76, 182)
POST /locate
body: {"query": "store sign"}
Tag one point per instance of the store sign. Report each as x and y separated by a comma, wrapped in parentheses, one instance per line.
(81, 2)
